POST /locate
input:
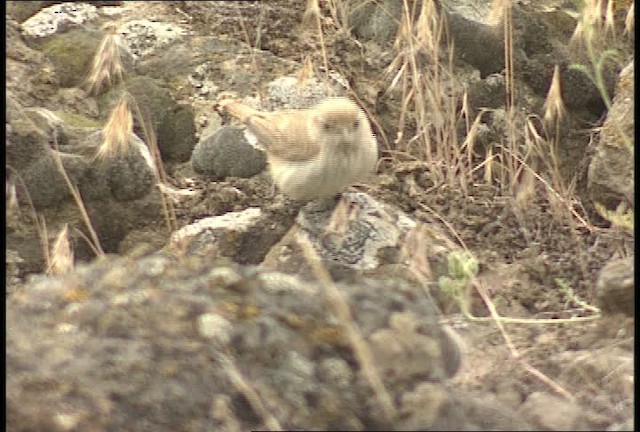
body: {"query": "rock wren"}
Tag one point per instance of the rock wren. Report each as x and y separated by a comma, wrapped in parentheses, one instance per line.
(315, 152)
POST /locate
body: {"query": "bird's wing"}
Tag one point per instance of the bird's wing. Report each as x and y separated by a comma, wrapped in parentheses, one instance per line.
(284, 133)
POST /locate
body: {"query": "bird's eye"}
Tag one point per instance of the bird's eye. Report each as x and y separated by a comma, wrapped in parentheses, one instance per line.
(326, 127)
(356, 124)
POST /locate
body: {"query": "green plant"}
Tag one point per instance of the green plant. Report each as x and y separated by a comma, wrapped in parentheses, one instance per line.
(591, 35)
(462, 268)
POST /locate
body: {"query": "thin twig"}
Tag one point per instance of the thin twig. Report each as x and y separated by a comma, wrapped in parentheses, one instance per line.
(340, 309)
(245, 388)
(512, 349)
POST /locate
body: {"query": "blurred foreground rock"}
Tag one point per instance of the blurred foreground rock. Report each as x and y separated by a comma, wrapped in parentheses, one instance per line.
(157, 343)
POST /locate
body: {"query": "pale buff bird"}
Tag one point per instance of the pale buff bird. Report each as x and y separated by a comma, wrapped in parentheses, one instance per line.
(315, 152)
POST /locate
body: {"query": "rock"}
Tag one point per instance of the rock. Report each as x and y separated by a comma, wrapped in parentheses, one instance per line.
(20, 10)
(130, 175)
(58, 18)
(13, 268)
(478, 44)
(549, 412)
(615, 289)
(122, 178)
(31, 78)
(227, 153)
(25, 141)
(76, 100)
(369, 235)
(45, 183)
(144, 37)
(124, 334)
(289, 93)
(611, 368)
(128, 179)
(540, 41)
(627, 425)
(362, 234)
(377, 21)
(71, 54)
(610, 176)
(482, 411)
(113, 219)
(404, 354)
(488, 92)
(49, 122)
(422, 406)
(173, 123)
(244, 236)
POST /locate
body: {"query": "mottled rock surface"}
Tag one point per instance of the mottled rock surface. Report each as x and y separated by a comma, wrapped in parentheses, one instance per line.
(157, 343)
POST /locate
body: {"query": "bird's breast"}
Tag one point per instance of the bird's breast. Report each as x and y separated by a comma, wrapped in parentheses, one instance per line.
(325, 174)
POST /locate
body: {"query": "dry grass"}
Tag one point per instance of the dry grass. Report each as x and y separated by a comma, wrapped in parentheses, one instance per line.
(106, 68)
(340, 309)
(38, 220)
(554, 114)
(149, 138)
(117, 135)
(415, 253)
(339, 11)
(117, 142)
(11, 196)
(422, 69)
(630, 19)
(418, 72)
(61, 256)
(117, 132)
(242, 385)
(93, 241)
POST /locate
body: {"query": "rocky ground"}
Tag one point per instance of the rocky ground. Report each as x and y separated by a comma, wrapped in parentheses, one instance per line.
(219, 323)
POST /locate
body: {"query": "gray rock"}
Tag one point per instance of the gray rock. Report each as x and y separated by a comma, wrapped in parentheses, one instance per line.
(128, 176)
(374, 228)
(59, 17)
(244, 236)
(135, 335)
(540, 41)
(289, 93)
(49, 122)
(144, 37)
(615, 288)
(610, 176)
(25, 141)
(14, 268)
(71, 54)
(377, 21)
(363, 235)
(45, 184)
(173, 124)
(550, 412)
(482, 412)
(113, 219)
(20, 10)
(227, 153)
(477, 43)
(627, 425)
